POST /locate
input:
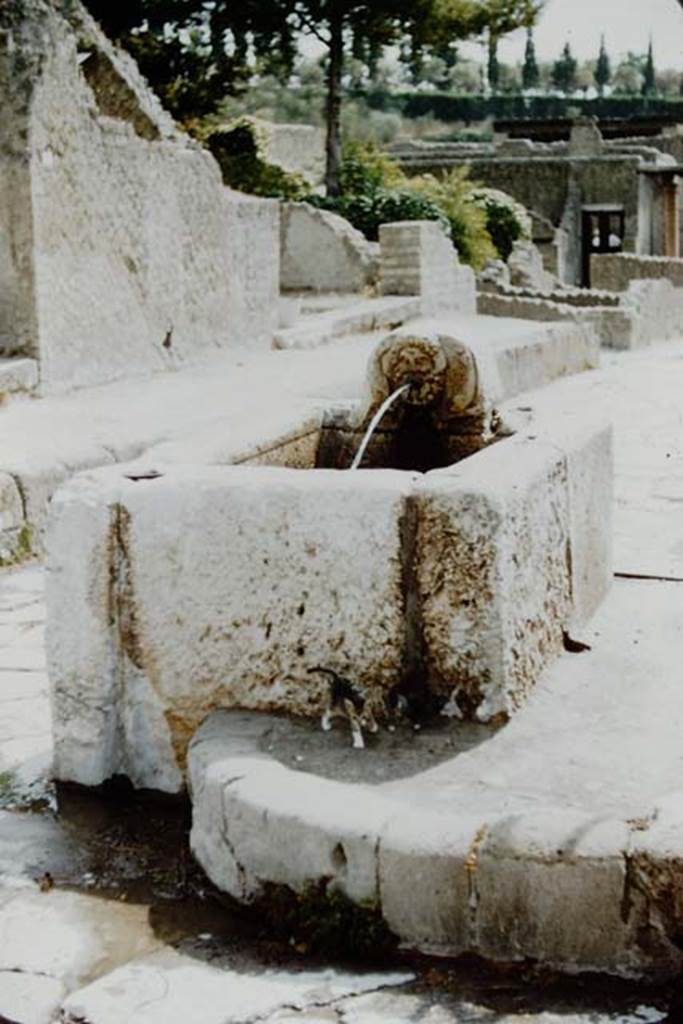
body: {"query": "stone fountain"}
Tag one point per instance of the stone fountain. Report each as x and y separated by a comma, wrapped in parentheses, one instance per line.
(460, 554)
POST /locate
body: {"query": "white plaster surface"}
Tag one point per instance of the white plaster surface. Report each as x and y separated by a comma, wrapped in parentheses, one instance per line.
(165, 988)
(30, 998)
(67, 936)
(321, 252)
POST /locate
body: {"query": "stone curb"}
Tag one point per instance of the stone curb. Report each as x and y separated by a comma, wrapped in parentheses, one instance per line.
(571, 890)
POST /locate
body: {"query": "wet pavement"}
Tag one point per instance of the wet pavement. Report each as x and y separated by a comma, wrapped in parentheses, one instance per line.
(104, 917)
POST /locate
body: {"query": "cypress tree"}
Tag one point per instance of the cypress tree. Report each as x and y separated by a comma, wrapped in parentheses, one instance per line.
(493, 67)
(649, 87)
(603, 70)
(530, 73)
(564, 71)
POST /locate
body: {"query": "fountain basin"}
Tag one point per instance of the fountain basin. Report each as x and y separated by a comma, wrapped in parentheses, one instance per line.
(208, 587)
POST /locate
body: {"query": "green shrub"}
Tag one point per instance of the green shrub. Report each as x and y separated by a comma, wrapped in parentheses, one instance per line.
(237, 150)
(506, 219)
(366, 168)
(367, 210)
(466, 221)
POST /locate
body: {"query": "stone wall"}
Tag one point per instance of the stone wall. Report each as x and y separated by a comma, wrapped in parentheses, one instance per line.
(615, 273)
(320, 251)
(127, 255)
(648, 311)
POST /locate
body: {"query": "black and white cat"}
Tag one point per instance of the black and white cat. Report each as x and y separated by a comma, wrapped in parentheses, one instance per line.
(351, 701)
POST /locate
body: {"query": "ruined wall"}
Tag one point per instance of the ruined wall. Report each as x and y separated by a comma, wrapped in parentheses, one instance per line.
(615, 273)
(18, 329)
(141, 258)
(320, 251)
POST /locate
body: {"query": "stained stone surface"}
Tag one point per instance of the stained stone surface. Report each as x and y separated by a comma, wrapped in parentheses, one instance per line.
(181, 620)
(127, 253)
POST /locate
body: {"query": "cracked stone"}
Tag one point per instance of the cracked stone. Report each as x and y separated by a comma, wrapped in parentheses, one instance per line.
(170, 988)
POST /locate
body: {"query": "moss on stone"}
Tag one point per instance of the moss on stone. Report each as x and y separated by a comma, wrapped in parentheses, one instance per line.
(323, 921)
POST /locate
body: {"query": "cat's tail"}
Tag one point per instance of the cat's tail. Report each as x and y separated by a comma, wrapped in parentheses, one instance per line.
(325, 671)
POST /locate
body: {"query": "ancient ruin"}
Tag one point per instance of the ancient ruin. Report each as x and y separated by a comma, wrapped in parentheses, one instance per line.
(259, 445)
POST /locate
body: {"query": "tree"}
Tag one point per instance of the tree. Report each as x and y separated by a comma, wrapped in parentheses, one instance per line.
(492, 65)
(603, 70)
(628, 78)
(564, 71)
(217, 39)
(649, 86)
(531, 75)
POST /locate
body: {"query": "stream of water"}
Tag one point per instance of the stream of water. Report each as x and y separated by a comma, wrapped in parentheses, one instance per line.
(375, 421)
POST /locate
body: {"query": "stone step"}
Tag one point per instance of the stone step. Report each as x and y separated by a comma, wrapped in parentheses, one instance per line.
(311, 331)
(18, 374)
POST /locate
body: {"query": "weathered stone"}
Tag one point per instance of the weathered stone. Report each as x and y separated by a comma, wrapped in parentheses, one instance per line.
(11, 505)
(615, 272)
(164, 989)
(68, 936)
(255, 821)
(30, 998)
(182, 621)
(550, 886)
(417, 258)
(525, 264)
(425, 864)
(493, 573)
(320, 251)
(127, 254)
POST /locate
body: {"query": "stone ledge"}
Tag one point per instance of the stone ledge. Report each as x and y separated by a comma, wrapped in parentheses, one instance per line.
(506, 885)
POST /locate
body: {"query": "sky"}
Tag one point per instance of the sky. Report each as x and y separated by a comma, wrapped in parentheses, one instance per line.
(626, 24)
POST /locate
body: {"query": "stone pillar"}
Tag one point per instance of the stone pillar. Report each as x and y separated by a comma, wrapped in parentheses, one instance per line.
(671, 218)
(416, 258)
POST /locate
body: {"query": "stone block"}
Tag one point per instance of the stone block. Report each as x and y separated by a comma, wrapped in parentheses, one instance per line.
(588, 444)
(493, 573)
(425, 862)
(320, 251)
(255, 821)
(550, 887)
(214, 587)
(168, 987)
(417, 258)
(11, 504)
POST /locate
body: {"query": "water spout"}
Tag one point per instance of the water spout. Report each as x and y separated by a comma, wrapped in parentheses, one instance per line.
(374, 423)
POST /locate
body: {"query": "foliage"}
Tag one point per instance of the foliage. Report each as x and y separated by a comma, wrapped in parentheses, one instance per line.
(649, 83)
(530, 73)
(564, 71)
(366, 168)
(447, 107)
(452, 194)
(194, 52)
(236, 147)
(506, 219)
(367, 211)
